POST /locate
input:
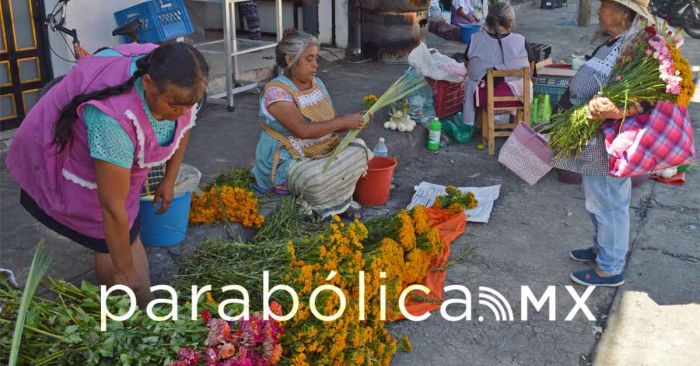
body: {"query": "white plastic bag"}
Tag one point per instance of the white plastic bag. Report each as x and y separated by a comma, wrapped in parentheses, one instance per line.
(187, 179)
(433, 64)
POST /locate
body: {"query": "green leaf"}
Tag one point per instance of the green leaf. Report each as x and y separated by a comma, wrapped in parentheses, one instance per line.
(152, 339)
(40, 264)
(107, 349)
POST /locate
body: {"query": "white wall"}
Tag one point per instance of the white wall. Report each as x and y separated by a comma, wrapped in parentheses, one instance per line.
(325, 13)
(94, 21)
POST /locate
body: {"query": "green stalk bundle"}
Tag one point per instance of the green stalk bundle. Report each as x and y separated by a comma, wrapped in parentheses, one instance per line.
(401, 88)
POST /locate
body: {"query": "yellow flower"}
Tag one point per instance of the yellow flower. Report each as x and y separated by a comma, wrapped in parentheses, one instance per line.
(210, 298)
(420, 219)
(407, 234)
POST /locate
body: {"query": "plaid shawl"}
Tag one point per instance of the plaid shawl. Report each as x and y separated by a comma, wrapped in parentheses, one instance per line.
(650, 142)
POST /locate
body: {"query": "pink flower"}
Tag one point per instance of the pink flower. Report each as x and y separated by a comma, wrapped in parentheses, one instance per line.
(649, 52)
(243, 362)
(212, 357)
(675, 89)
(618, 78)
(188, 356)
(179, 363)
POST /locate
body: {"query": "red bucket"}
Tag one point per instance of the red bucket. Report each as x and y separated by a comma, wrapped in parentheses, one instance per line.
(373, 188)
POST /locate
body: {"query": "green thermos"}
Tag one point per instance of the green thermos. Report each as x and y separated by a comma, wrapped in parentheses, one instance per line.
(434, 134)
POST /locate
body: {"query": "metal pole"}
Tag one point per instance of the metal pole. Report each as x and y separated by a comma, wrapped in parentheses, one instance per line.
(354, 50)
(227, 50)
(278, 18)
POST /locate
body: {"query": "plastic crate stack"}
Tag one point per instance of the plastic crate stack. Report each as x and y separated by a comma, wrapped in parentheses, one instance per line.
(163, 20)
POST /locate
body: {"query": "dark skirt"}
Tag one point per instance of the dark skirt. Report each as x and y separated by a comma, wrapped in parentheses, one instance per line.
(98, 245)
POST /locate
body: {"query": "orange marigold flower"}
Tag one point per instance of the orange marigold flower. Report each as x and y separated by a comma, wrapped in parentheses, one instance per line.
(407, 233)
(420, 219)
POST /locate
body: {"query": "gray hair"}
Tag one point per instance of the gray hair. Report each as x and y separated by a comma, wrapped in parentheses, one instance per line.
(293, 44)
(500, 14)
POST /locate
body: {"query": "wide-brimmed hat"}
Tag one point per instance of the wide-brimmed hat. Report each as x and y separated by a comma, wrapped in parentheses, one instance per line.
(640, 7)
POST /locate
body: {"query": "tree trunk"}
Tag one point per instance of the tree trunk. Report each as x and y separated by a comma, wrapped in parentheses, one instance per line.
(584, 13)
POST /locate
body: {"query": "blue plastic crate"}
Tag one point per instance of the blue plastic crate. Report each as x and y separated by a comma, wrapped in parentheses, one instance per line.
(163, 20)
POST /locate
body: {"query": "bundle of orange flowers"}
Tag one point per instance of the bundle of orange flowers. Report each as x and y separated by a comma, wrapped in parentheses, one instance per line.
(405, 252)
(346, 340)
(226, 204)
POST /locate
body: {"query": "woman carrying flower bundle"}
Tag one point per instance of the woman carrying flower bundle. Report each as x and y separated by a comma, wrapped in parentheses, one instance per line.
(607, 198)
(299, 124)
(83, 152)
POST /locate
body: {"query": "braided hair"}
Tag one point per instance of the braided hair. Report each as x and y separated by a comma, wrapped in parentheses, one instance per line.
(501, 14)
(175, 63)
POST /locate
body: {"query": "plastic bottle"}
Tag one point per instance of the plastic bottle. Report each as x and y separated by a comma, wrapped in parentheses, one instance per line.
(380, 149)
(434, 135)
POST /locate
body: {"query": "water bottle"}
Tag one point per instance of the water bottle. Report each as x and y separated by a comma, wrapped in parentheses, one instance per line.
(434, 135)
(380, 149)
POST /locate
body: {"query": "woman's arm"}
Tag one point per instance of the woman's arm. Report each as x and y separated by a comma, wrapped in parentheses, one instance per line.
(165, 192)
(291, 118)
(112, 190)
(464, 9)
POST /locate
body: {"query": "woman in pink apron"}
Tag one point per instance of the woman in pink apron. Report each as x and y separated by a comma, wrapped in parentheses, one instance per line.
(83, 152)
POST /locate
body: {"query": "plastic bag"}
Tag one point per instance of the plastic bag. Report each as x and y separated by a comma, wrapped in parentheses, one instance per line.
(187, 179)
(420, 102)
(457, 130)
(435, 65)
(541, 110)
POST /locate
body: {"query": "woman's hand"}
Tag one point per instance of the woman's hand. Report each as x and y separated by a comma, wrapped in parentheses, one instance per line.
(164, 196)
(127, 276)
(603, 108)
(354, 121)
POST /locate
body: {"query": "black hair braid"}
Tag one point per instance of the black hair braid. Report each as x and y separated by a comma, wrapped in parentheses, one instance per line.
(500, 45)
(63, 131)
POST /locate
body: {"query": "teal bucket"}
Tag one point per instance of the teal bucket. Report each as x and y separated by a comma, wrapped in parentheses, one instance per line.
(467, 30)
(166, 229)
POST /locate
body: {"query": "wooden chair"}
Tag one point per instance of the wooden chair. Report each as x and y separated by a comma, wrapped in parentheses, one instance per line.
(489, 129)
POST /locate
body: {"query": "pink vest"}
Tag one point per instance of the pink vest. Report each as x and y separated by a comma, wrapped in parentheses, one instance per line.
(64, 184)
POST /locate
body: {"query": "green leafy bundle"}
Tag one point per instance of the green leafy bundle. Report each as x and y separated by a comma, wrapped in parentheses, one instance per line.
(65, 330)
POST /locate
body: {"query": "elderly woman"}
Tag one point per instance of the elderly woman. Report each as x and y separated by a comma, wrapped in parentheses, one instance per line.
(496, 48)
(299, 124)
(607, 198)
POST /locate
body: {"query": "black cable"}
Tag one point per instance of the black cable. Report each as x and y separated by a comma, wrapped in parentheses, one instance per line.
(59, 56)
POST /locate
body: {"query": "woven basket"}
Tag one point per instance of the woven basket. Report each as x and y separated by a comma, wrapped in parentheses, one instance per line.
(526, 154)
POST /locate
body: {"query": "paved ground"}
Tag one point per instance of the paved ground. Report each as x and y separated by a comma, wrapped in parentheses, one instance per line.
(525, 243)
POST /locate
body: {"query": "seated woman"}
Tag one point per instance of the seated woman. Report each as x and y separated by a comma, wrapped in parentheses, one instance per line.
(462, 12)
(496, 48)
(299, 122)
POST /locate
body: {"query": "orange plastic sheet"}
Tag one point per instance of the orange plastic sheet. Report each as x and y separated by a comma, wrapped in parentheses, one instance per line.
(451, 226)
